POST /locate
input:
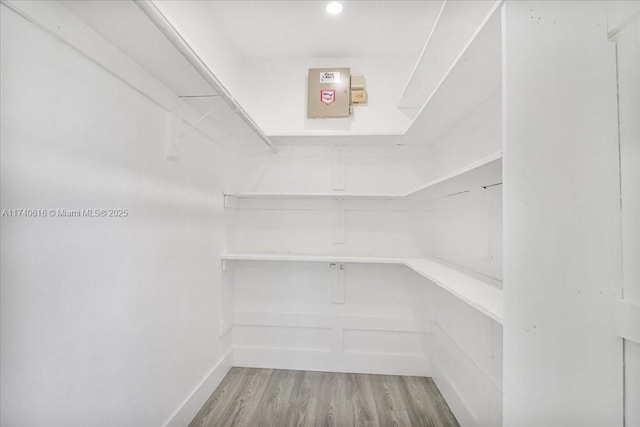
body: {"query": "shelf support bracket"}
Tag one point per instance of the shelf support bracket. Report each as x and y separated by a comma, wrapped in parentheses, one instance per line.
(337, 283)
(172, 147)
(339, 223)
(194, 125)
(338, 168)
(176, 133)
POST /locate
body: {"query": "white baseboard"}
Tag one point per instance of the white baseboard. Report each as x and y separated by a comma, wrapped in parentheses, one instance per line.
(454, 398)
(194, 402)
(473, 396)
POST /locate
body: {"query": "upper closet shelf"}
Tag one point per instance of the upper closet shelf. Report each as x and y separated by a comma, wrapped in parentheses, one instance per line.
(457, 24)
(480, 292)
(479, 174)
(473, 78)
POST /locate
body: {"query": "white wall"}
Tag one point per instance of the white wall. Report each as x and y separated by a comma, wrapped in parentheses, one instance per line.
(105, 321)
(275, 93)
(467, 361)
(466, 229)
(289, 315)
(312, 227)
(562, 359)
(628, 55)
(306, 168)
(373, 227)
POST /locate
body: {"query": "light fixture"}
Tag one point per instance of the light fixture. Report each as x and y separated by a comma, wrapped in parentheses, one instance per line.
(334, 7)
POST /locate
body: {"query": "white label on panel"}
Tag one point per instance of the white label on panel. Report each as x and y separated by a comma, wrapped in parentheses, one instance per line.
(330, 77)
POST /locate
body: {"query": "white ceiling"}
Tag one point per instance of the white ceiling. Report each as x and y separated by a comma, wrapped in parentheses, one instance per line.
(285, 29)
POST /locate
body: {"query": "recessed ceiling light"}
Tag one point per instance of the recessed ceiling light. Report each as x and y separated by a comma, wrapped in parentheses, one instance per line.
(334, 7)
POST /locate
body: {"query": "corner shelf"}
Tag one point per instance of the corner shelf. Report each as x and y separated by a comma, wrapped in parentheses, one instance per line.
(480, 292)
(475, 174)
(480, 173)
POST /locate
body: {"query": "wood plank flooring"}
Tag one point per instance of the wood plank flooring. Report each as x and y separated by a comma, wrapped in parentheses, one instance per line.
(272, 397)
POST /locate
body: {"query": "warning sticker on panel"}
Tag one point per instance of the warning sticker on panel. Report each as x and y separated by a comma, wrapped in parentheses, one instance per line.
(327, 96)
(330, 77)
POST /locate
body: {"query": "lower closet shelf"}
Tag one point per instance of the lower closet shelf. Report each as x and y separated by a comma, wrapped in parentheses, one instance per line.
(480, 292)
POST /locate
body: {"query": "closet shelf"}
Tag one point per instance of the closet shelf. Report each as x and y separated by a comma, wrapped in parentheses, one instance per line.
(475, 175)
(480, 292)
(327, 195)
(478, 174)
(259, 256)
(474, 77)
(454, 28)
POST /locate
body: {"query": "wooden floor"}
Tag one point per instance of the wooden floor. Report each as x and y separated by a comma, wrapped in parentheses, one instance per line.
(272, 397)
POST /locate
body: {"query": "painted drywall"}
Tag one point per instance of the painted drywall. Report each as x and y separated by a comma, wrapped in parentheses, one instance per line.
(290, 315)
(301, 167)
(562, 359)
(466, 229)
(627, 41)
(467, 361)
(105, 320)
(313, 228)
(374, 228)
(275, 94)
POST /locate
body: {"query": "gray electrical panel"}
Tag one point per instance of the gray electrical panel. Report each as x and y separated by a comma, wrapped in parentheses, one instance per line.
(328, 92)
